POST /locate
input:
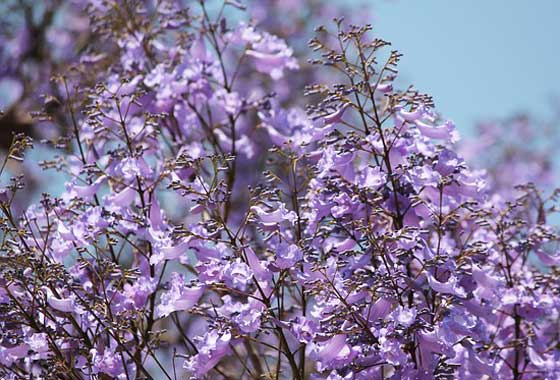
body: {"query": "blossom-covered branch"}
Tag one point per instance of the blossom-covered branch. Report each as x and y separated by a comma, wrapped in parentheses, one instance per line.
(215, 227)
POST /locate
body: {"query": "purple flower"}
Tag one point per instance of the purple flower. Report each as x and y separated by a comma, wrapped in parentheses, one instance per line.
(107, 361)
(237, 274)
(272, 56)
(139, 292)
(287, 255)
(445, 131)
(179, 296)
(213, 346)
(63, 304)
(270, 219)
(336, 116)
(9, 355)
(304, 329)
(335, 352)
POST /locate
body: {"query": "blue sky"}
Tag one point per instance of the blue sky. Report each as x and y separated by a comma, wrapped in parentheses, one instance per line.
(478, 58)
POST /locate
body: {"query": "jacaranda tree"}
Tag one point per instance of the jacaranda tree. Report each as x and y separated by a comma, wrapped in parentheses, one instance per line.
(232, 211)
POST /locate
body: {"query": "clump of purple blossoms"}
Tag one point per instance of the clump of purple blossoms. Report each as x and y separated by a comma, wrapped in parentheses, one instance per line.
(213, 227)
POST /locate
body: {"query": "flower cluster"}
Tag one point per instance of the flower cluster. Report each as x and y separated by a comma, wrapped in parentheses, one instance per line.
(214, 227)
